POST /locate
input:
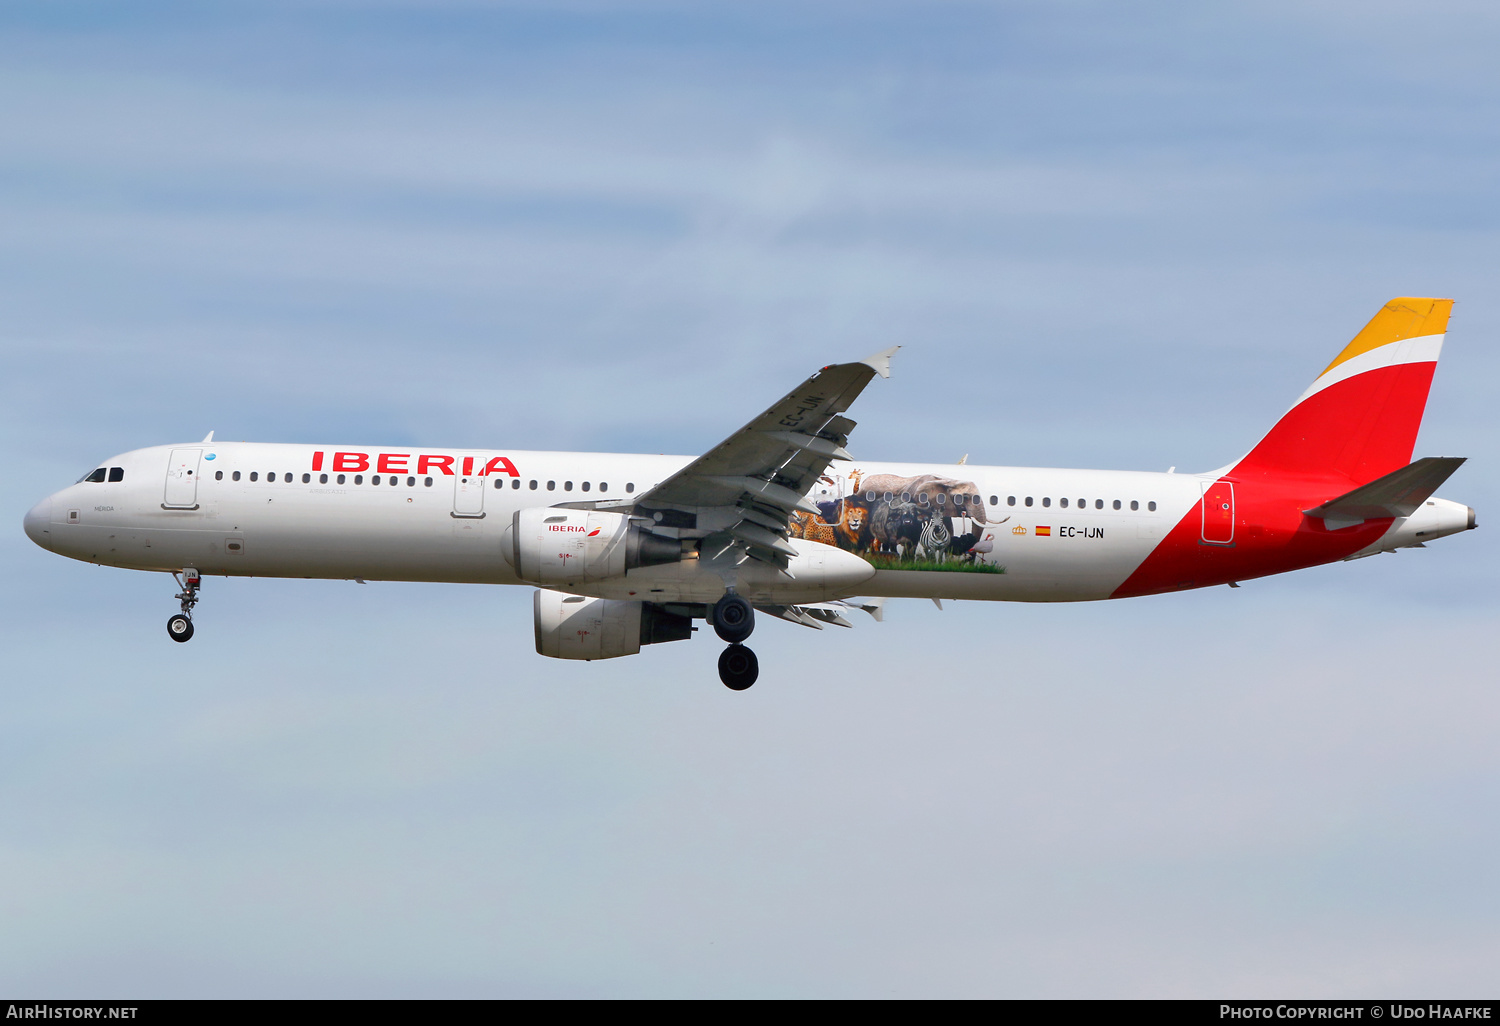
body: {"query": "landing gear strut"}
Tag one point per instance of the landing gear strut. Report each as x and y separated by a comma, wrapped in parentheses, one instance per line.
(180, 625)
(734, 620)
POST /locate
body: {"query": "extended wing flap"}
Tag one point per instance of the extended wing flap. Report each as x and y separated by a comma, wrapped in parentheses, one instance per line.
(1397, 494)
(816, 614)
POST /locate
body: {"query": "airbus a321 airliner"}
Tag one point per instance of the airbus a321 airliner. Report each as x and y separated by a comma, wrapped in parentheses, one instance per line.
(628, 550)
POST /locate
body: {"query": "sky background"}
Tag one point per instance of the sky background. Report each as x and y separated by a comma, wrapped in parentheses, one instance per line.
(1107, 235)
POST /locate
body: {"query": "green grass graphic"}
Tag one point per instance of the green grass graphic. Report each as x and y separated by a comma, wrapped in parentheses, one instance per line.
(884, 562)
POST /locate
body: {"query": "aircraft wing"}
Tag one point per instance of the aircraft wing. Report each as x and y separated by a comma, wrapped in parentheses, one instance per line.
(742, 491)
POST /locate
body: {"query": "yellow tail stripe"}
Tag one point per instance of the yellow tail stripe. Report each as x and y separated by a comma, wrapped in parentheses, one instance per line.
(1401, 318)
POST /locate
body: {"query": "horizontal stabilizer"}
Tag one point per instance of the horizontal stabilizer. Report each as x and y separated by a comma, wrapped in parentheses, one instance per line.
(1397, 494)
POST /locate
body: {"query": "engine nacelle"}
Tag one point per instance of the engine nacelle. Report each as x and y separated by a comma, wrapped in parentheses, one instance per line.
(576, 627)
(547, 545)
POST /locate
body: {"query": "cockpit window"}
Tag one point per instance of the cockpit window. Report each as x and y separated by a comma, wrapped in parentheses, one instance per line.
(116, 474)
(94, 475)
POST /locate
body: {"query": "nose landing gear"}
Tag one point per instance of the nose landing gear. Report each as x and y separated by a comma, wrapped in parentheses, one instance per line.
(180, 625)
(734, 620)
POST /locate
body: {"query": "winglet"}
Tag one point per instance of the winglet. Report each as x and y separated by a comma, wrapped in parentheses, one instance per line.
(207, 438)
(881, 361)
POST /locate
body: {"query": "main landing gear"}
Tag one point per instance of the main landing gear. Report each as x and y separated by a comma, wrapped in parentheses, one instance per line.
(738, 667)
(180, 625)
(734, 620)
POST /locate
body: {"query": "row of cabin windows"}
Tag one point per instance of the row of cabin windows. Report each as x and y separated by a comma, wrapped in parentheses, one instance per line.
(375, 479)
(1010, 500)
(941, 499)
(567, 485)
(922, 499)
(97, 476)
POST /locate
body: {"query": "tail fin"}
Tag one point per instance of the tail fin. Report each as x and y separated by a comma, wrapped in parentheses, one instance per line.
(1359, 419)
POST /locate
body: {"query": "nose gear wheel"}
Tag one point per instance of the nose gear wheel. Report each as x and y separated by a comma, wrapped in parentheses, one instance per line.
(180, 625)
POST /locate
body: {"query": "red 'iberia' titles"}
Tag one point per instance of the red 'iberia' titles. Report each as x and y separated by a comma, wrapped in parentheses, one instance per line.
(401, 463)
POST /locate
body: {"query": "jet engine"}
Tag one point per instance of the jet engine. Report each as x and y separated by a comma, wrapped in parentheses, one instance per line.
(550, 546)
(576, 627)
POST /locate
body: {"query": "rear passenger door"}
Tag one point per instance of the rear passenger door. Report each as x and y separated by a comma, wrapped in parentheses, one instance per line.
(1218, 513)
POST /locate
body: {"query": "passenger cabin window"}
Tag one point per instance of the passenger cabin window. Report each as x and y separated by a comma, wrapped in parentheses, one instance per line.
(1083, 504)
(533, 486)
(1046, 500)
(585, 486)
(288, 479)
(1028, 500)
(1010, 500)
(322, 479)
(567, 486)
(629, 487)
(551, 486)
(426, 482)
(515, 482)
(254, 476)
(375, 480)
(1151, 506)
(1134, 505)
(1117, 504)
(218, 475)
(235, 475)
(341, 479)
(1061, 502)
(118, 474)
(359, 479)
(1098, 503)
(306, 478)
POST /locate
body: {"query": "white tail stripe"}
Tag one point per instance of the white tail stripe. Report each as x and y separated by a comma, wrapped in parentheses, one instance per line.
(1423, 349)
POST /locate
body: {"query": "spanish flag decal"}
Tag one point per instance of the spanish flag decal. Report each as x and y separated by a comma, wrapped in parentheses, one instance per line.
(1044, 532)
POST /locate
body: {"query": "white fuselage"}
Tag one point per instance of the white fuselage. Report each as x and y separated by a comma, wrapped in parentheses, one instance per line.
(266, 510)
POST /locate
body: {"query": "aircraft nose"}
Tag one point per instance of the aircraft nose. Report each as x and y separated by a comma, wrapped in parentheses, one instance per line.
(39, 523)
